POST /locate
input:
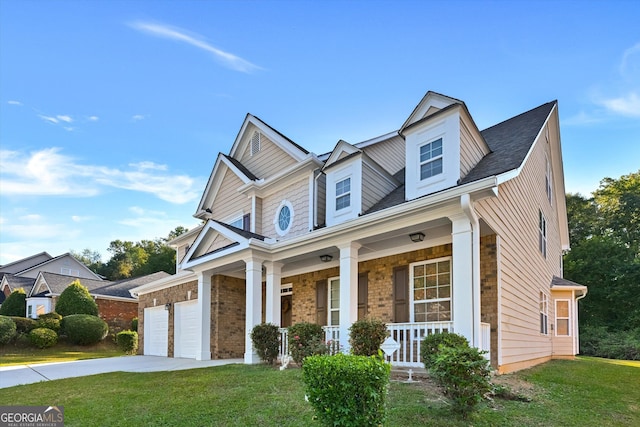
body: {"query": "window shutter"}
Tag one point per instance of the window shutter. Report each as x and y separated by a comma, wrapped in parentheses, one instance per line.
(401, 294)
(246, 222)
(321, 302)
(363, 294)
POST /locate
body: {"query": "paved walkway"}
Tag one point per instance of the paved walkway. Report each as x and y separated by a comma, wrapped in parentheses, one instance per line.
(27, 374)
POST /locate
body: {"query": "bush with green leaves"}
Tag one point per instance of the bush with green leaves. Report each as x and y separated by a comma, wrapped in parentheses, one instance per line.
(7, 329)
(127, 341)
(432, 344)
(43, 337)
(464, 375)
(134, 324)
(347, 390)
(24, 325)
(306, 339)
(75, 299)
(15, 304)
(366, 336)
(266, 340)
(49, 321)
(84, 329)
(618, 344)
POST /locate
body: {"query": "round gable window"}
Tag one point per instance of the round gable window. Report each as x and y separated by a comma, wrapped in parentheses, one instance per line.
(284, 217)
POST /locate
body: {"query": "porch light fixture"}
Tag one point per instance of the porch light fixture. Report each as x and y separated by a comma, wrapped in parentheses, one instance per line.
(325, 258)
(167, 306)
(416, 237)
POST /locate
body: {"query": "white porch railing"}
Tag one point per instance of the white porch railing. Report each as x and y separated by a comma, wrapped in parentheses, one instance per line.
(331, 337)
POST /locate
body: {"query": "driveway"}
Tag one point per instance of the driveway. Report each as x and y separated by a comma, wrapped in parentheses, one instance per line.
(27, 374)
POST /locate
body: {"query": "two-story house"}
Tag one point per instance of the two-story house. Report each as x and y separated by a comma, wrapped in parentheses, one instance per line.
(436, 226)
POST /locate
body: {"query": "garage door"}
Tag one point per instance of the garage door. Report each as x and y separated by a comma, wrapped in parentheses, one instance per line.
(156, 331)
(186, 329)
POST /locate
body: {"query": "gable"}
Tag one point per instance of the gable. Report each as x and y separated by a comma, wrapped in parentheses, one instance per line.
(25, 263)
(429, 105)
(268, 160)
(229, 203)
(65, 265)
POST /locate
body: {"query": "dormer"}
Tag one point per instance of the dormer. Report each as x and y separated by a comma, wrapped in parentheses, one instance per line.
(442, 145)
(354, 183)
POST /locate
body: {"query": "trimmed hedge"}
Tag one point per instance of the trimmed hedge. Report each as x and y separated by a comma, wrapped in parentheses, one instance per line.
(366, 336)
(24, 325)
(347, 390)
(266, 340)
(432, 345)
(49, 321)
(43, 337)
(306, 339)
(84, 329)
(134, 324)
(127, 341)
(7, 329)
(75, 299)
(15, 304)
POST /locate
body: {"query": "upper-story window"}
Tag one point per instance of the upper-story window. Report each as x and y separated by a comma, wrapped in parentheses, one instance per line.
(542, 234)
(548, 180)
(343, 194)
(431, 159)
(284, 217)
(237, 223)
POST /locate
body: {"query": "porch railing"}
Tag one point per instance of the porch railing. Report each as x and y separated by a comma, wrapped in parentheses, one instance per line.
(409, 337)
(485, 339)
(331, 338)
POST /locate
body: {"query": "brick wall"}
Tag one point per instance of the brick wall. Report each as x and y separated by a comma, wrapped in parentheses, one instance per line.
(489, 290)
(228, 317)
(117, 314)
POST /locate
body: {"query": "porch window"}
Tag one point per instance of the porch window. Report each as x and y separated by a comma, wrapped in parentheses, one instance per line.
(343, 194)
(562, 318)
(544, 313)
(431, 159)
(334, 302)
(431, 293)
(542, 234)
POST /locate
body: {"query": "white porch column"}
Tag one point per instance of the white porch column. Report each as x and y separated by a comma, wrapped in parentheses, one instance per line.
(348, 291)
(253, 306)
(274, 276)
(466, 317)
(204, 317)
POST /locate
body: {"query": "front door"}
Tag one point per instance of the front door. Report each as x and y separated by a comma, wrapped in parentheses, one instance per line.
(285, 311)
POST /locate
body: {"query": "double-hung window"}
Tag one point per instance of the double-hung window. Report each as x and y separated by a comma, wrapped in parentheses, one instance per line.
(431, 159)
(334, 302)
(544, 313)
(562, 318)
(542, 234)
(431, 287)
(343, 194)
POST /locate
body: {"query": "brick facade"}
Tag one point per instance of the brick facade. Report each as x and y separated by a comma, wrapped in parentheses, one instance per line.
(117, 314)
(489, 290)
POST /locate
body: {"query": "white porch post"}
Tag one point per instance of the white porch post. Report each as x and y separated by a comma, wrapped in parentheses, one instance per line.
(274, 276)
(204, 317)
(253, 306)
(348, 291)
(466, 317)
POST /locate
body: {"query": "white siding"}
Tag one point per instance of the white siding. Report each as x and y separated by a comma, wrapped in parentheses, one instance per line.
(389, 154)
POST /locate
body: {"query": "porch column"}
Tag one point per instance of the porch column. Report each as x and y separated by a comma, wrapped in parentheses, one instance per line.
(348, 291)
(204, 317)
(466, 317)
(274, 276)
(253, 306)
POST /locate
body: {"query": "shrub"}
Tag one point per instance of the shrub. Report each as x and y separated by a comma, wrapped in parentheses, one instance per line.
(306, 339)
(84, 329)
(600, 342)
(127, 341)
(49, 321)
(134, 324)
(7, 329)
(24, 325)
(43, 337)
(75, 299)
(366, 336)
(347, 390)
(15, 304)
(265, 338)
(463, 373)
(432, 344)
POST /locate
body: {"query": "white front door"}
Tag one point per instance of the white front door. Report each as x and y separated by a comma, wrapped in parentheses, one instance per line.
(156, 331)
(185, 331)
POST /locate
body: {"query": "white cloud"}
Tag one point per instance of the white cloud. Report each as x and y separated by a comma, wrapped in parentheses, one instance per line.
(149, 224)
(48, 172)
(93, 118)
(138, 117)
(48, 119)
(79, 218)
(13, 102)
(627, 105)
(36, 227)
(229, 60)
(64, 118)
(630, 60)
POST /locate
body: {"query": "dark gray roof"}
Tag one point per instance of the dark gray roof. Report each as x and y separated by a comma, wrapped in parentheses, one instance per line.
(282, 135)
(58, 283)
(559, 281)
(16, 282)
(242, 168)
(244, 233)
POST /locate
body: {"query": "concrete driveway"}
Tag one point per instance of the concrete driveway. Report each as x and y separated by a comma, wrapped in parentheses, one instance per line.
(27, 374)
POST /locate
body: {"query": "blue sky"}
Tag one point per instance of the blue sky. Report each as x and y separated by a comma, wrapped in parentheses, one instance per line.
(112, 112)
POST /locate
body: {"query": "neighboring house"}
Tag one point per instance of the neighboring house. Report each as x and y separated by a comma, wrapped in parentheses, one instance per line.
(44, 282)
(436, 226)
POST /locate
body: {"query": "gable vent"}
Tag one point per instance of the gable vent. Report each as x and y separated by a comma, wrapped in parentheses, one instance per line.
(255, 143)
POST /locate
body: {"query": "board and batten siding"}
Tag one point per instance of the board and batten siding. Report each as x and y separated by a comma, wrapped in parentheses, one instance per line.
(269, 161)
(524, 272)
(389, 154)
(374, 186)
(228, 200)
(471, 150)
(297, 193)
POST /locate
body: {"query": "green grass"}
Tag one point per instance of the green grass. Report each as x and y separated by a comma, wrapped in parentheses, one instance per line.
(15, 354)
(584, 392)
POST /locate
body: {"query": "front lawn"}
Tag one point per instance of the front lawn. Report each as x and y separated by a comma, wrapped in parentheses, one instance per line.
(585, 392)
(16, 354)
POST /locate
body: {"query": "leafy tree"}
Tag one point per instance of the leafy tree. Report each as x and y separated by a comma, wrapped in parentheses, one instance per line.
(92, 259)
(75, 299)
(15, 304)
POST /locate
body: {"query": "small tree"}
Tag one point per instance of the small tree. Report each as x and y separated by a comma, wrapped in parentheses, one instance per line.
(265, 338)
(15, 304)
(366, 336)
(75, 299)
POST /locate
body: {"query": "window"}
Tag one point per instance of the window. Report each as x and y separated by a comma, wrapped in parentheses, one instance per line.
(69, 272)
(343, 194)
(256, 140)
(40, 310)
(562, 318)
(542, 234)
(29, 311)
(548, 181)
(431, 283)
(237, 223)
(431, 159)
(284, 217)
(334, 302)
(544, 316)
(286, 289)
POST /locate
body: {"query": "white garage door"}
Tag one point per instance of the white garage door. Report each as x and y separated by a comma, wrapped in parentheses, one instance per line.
(156, 331)
(186, 329)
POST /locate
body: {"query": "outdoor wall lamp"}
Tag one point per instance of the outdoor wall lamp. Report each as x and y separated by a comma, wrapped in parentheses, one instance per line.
(167, 306)
(326, 258)
(416, 237)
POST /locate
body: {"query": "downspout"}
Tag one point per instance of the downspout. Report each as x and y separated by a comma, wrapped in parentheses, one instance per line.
(576, 348)
(467, 208)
